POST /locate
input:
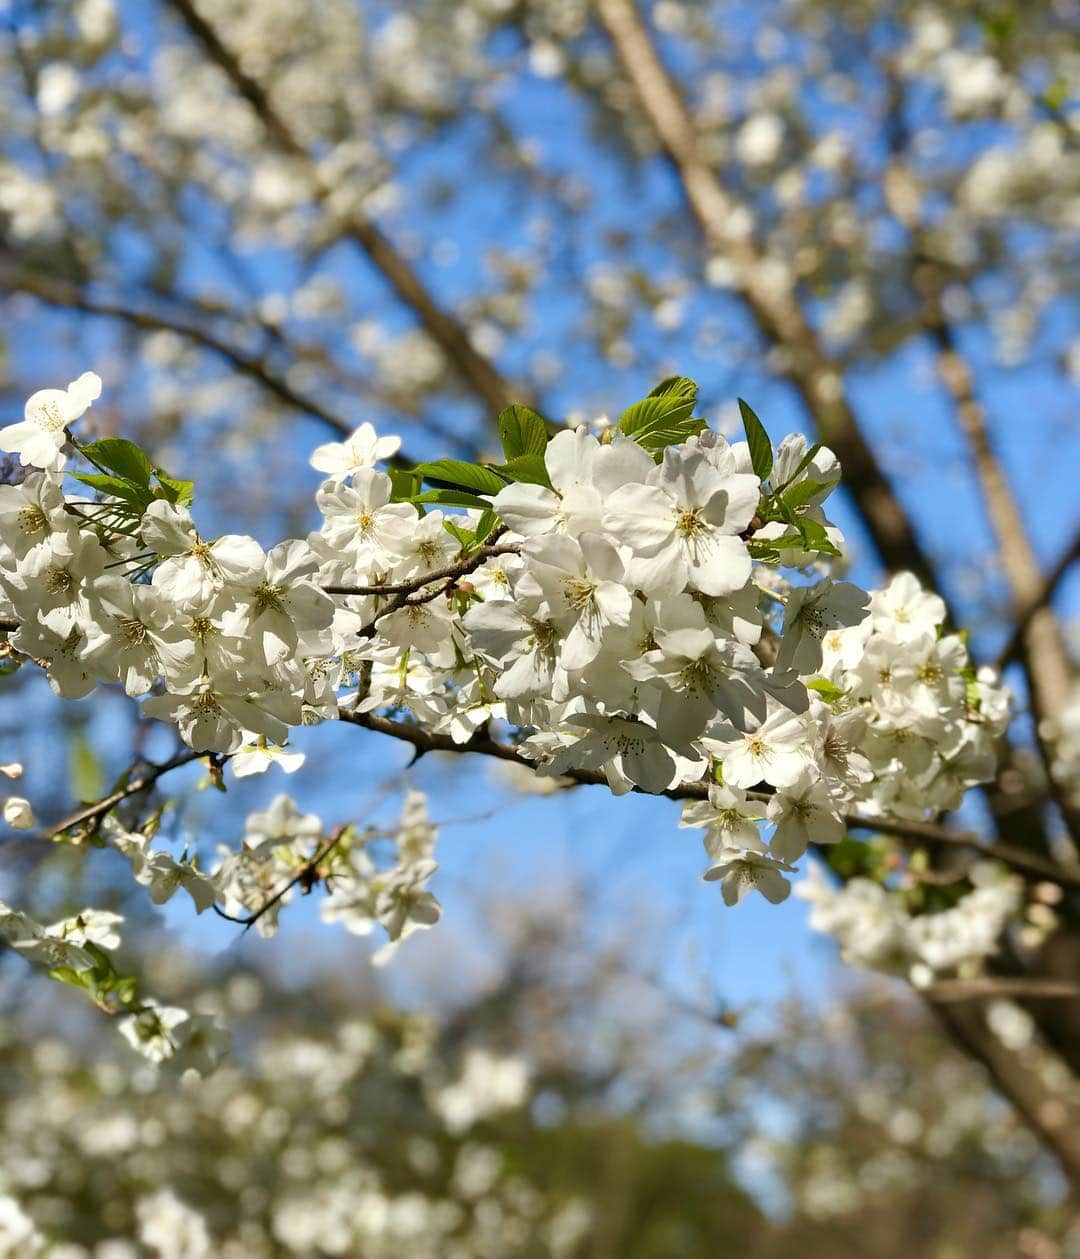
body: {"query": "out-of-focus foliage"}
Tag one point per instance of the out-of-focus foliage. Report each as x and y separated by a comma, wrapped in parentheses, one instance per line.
(345, 1128)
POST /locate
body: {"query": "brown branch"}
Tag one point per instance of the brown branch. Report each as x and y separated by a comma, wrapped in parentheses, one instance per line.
(1042, 599)
(69, 296)
(1051, 1111)
(1046, 660)
(989, 987)
(94, 813)
(425, 741)
(308, 870)
(453, 571)
(776, 311)
(933, 834)
(478, 373)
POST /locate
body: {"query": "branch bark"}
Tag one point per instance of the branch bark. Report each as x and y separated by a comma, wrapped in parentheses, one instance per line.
(773, 304)
(476, 371)
(63, 294)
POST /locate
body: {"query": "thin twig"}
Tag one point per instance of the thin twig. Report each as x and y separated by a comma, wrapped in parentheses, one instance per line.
(478, 372)
(69, 296)
(453, 571)
(1041, 599)
(307, 870)
(922, 832)
(96, 811)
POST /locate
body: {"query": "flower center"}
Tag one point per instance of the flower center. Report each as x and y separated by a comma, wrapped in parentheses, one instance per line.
(577, 592)
(50, 418)
(134, 631)
(811, 619)
(32, 520)
(58, 581)
(268, 598)
(688, 522)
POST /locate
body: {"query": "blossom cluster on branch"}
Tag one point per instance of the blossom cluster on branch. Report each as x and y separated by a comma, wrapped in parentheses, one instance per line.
(642, 602)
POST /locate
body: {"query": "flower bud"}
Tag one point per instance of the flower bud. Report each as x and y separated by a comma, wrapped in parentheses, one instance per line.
(18, 813)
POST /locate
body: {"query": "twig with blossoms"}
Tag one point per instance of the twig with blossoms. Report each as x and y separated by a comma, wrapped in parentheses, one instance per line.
(452, 572)
(306, 875)
(425, 741)
(94, 813)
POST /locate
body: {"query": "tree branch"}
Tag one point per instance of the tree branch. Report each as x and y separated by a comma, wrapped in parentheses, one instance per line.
(991, 987)
(70, 296)
(425, 741)
(775, 308)
(1042, 599)
(453, 571)
(478, 373)
(308, 870)
(95, 813)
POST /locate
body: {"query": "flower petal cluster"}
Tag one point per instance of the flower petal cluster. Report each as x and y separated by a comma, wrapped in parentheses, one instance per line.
(633, 624)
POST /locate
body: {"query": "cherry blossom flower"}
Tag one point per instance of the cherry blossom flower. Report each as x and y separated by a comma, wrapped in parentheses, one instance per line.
(362, 449)
(40, 437)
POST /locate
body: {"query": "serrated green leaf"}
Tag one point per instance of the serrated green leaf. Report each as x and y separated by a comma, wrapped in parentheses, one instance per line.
(761, 451)
(457, 474)
(528, 468)
(681, 386)
(828, 691)
(451, 498)
(522, 432)
(816, 538)
(180, 493)
(117, 487)
(665, 417)
(464, 537)
(801, 493)
(664, 409)
(117, 454)
(485, 525)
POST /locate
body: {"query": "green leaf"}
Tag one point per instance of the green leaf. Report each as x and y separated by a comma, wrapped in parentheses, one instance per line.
(671, 407)
(117, 454)
(828, 691)
(451, 498)
(851, 857)
(522, 432)
(767, 551)
(464, 537)
(85, 772)
(404, 484)
(180, 493)
(816, 538)
(528, 468)
(73, 978)
(665, 417)
(761, 452)
(458, 474)
(680, 386)
(802, 493)
(118, 487)
(486, 525)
